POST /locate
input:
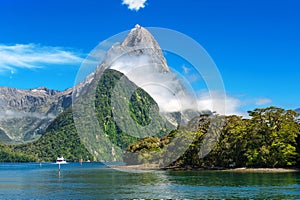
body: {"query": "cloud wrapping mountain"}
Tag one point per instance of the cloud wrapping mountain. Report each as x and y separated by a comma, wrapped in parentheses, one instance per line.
(11, 114)
(25, 114)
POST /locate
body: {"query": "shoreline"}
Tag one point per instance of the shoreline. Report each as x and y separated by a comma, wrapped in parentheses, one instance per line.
(263, 170)
(239, 170)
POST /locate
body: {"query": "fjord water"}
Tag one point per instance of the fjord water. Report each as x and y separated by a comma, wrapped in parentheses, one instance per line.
(96, 181)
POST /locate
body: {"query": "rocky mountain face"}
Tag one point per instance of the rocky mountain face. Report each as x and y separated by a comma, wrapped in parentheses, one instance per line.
(105, 138)
(25, 114)
(140, 58)
(139, 45)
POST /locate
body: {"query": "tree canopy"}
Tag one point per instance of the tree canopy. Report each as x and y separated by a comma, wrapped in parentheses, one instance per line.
(269, 138)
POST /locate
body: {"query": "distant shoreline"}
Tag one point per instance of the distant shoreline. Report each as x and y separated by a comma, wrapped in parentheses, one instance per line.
(241, 169)
(188, 168)
(263, 170)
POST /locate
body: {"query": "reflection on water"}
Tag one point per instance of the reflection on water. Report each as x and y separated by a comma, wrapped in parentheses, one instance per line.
(94, 180)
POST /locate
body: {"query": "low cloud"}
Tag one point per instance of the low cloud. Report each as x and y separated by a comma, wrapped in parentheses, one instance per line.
(134, 4)
(165, 88)
(11, 114)
(33, 56)
(220, 103)
(171, 93)
(262, 101)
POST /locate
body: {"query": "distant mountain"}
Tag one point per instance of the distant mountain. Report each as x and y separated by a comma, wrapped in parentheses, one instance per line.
(62, 138)
(4, 137)
(141, 59)
(25, 114)
(139, 44)
(28, 113)
(298, 110)
(108, 138)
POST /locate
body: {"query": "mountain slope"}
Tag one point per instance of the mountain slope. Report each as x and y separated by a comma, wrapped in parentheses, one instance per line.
(25, 114)
(138, 43)
(103, 132)
(4, 137)
(123, 113)
(141, 59)
(60, 139)
(61, 136)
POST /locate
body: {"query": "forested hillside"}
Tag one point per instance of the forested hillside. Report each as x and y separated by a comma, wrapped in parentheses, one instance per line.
(62, 139)
(270, 138)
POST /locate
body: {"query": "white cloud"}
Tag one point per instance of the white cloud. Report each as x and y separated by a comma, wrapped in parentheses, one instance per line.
(165, 88)
(262, 101)
(134, 4)
(171, 93)
(186, 70)
(220, 103)
(11, 114)
(34, 56)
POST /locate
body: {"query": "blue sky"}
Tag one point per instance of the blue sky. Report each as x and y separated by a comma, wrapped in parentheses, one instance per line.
(254, 43)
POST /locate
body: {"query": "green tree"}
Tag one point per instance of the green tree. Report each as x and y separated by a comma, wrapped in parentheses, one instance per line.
(271, 137)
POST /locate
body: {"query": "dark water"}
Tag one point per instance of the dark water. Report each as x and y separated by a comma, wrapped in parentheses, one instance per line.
(95, 181)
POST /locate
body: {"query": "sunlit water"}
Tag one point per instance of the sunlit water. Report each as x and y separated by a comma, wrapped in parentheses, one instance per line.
(96, 181)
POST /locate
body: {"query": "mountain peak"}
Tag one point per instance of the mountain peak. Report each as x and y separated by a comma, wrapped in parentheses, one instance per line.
(140, 37)
(137, 26)
(138, 42)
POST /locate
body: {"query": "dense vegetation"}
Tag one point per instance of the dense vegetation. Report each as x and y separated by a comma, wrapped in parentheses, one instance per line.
(270, 138)
(116, 94)
(7, 154)
(62, 139)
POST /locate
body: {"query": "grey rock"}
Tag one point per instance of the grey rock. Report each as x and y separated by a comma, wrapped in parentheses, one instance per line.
(25, 114)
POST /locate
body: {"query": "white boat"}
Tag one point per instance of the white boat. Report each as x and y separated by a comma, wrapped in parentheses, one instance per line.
(61, 160)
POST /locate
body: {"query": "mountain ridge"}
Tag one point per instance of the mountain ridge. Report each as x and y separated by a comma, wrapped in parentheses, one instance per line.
(62, 137)
(26, 113)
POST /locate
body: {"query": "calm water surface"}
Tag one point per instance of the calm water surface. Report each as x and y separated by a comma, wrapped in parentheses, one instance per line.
(95, 181)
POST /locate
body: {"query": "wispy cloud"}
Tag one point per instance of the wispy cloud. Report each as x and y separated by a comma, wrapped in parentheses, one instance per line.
(167, 89)
(173, 94)
(185, 69)
(33, 56)
(192, 75)
(262, 101)
(220, 103)
(11, 114)
(134, 4)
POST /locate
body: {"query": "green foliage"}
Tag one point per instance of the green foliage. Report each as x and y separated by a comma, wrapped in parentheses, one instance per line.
(62, 139)
(164, 150)
(272, 135)
(7, 154)
(116, 94)
(124, 113)
(270, 138)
